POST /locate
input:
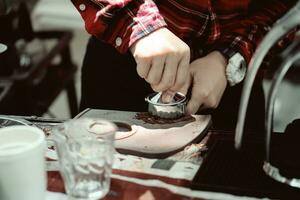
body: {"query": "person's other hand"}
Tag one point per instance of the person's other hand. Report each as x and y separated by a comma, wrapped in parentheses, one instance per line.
(162, 60)
(208, 82)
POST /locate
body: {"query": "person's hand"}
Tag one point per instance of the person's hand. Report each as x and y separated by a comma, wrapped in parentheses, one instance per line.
(162, 60)
(208, 82)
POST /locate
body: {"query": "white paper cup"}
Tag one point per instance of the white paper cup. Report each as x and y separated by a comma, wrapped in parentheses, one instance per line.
(22, 163)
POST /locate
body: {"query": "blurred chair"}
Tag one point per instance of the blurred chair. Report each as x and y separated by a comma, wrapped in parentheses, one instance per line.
(285, 61)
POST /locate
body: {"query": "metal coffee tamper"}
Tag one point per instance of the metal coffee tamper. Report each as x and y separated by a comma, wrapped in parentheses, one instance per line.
(172, 110)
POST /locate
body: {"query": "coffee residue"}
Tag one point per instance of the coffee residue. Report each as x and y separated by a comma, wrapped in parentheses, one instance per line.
(150, 119)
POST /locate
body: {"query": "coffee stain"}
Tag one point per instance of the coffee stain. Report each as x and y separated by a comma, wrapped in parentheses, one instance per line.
(150, 119)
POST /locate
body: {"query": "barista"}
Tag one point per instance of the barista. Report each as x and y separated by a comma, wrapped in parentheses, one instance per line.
(197, 46)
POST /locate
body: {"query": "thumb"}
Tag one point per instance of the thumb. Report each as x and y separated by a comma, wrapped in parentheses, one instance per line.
(195, 101)
(184, 89)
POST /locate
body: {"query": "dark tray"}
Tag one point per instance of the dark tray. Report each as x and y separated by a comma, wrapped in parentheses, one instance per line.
(225, 169)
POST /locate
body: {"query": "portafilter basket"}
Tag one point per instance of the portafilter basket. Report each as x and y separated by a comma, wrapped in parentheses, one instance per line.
(172, 110)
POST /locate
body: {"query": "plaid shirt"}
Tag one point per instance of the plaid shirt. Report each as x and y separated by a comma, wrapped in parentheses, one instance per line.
(205, 25)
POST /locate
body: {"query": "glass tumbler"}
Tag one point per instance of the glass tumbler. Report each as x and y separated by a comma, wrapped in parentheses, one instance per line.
(85, 150)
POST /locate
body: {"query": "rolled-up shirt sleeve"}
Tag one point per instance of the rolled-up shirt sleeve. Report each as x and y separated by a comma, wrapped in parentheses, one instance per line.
(120, 22)
(245, 35)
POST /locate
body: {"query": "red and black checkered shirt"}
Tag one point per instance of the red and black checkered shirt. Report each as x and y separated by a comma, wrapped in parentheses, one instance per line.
(205, 25)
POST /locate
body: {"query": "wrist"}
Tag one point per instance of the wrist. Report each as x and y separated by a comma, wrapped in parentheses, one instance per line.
(145, 37)
(221, 58)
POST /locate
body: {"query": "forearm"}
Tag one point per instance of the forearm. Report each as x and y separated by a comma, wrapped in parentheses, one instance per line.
(120, 23)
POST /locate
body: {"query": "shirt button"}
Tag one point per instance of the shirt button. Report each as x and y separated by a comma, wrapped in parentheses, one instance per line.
(118, 41)
(82, 7)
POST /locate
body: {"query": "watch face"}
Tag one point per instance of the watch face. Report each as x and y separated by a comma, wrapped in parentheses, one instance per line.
(236, 69)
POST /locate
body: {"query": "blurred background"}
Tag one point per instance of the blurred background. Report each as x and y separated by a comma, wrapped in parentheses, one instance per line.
(40, 34)
(62, 15)
(45, 43)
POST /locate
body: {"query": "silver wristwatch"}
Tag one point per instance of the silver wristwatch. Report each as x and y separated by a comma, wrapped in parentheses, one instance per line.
(235, 69)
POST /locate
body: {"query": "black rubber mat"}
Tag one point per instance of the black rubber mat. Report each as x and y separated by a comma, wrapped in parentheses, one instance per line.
(239, 172)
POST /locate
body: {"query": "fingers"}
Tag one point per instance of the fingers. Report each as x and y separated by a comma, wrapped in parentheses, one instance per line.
(167, 96)
(201, 99)
(182, 73)
(175, 73)
(143, 67)
(162, 59)
(169, 73)
(174, 76)
(155, 73)
(195, 102)
(184, 89)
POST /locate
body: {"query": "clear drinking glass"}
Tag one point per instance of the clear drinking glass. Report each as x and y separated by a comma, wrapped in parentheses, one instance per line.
(85, 149)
